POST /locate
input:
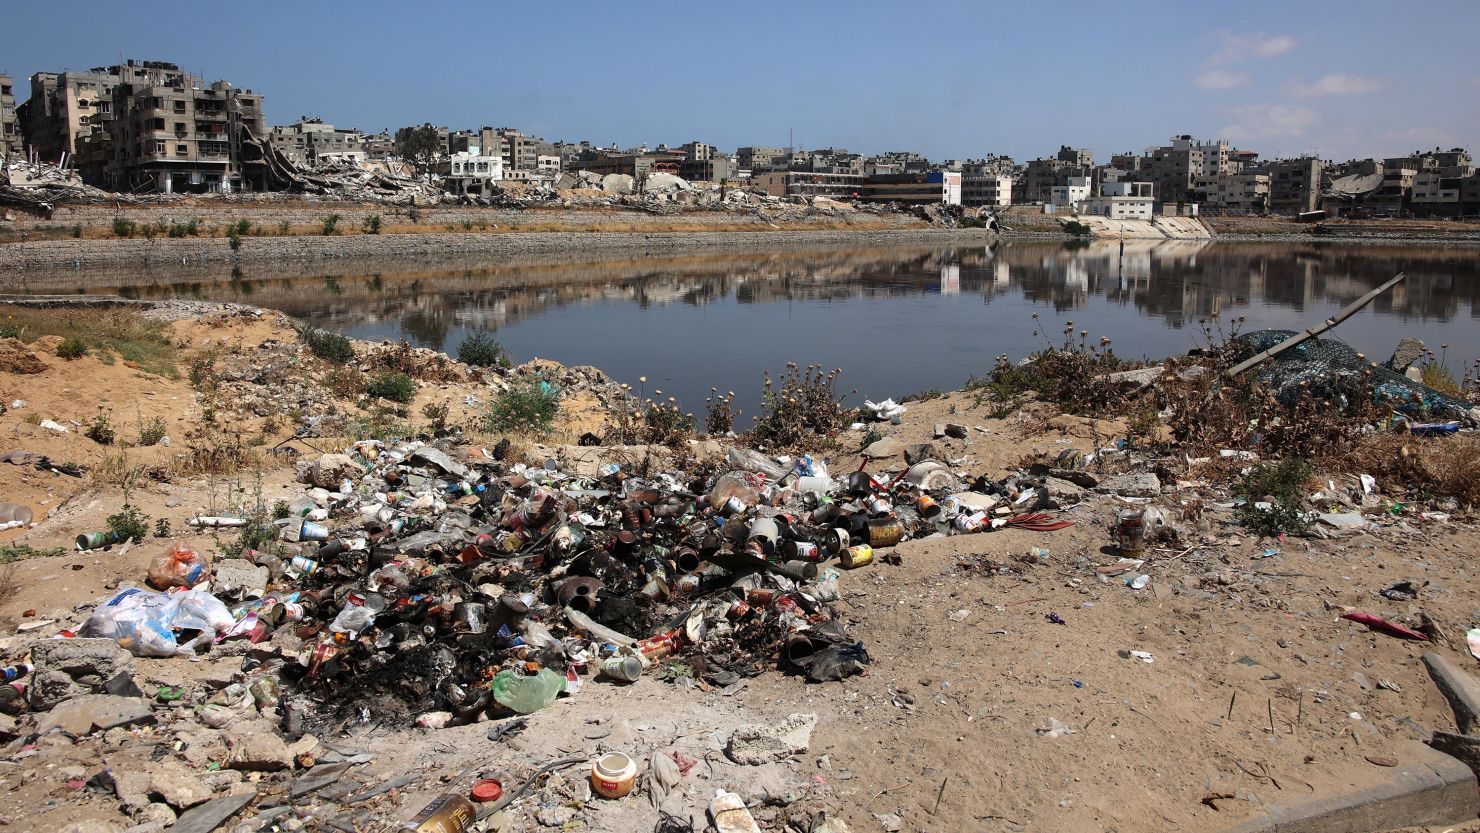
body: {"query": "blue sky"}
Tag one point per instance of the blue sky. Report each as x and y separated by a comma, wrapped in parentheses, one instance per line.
(950, 79)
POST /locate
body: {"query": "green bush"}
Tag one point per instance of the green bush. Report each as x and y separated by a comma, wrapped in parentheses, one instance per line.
(71, 348)
(241, 227)
(371, 225)
(1280, 484)
(331, 347)
(530, 404)
(481, 349)
(396, 387)
(1077, 228)
(151, 432)
(331, 224)
(128, 523)
(124, 227)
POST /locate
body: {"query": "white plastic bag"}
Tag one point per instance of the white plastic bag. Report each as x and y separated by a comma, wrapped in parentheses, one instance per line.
(146, 623)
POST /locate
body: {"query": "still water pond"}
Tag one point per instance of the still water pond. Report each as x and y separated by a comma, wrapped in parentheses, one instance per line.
(896, 320)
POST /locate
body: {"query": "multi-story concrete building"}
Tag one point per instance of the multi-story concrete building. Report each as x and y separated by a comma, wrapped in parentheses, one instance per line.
(379, 145)
(66, 106)
(1294, 184)
(519, 151)
(986, 182)
(809, 184)
(11, 141)
(1173, 169)
(311, 141)
(1124, 200)
(929, 188)
(759, 159)
(1237, 192)
(1042, 175)
(172, 133)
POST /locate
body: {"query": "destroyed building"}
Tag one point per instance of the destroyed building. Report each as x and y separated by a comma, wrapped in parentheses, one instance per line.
(471, 173)
(10, 132)
(143, 126)
(311, 141)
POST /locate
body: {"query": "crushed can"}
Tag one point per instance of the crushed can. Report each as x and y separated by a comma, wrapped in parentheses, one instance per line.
(447, 813)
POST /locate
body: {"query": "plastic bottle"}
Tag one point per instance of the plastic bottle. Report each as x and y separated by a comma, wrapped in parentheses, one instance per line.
(527, 695)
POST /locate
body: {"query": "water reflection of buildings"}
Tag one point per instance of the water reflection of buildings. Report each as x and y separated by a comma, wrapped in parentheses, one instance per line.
(1177, 281)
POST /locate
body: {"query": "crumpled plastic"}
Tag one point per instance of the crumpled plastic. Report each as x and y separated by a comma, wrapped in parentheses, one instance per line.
(180, 567)
(148, 624)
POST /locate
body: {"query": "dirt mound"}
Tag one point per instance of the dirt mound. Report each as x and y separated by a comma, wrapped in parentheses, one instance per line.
(15, 358)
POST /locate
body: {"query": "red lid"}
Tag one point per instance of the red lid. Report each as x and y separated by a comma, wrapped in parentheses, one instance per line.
(487, 789)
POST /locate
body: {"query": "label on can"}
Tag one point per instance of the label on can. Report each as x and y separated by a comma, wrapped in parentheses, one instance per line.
(857, 556)
(805, 551)
(303, 564)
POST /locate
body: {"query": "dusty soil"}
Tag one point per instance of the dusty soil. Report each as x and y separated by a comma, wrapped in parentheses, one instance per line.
(1255, 686)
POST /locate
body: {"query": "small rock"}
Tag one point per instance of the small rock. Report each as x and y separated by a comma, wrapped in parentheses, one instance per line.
(555, 816)
(237, 578)
(884, 449)
(891, 822)
(920, 452)
(155, 813)
(1408, 351)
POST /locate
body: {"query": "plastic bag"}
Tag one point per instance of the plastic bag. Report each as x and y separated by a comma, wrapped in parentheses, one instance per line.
(748, 459)
(150, 624)
(180, 567)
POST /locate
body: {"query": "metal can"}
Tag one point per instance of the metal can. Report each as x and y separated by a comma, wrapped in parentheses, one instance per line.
(857, 556)
(739, 610)
(303, 564)
(760, 597)
(1130, 527)
(658, 647)
(623, 668)
(805, 551)
(836, 541)
(11, 673)
(94, 540)
(323, 653)
(885, 532)
(970, 522)
(448, 813)
(926, 506)
(880, 506)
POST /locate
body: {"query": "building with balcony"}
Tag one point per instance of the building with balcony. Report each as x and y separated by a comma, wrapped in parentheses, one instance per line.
(1124, 200)
(473, 174)
(11, 141)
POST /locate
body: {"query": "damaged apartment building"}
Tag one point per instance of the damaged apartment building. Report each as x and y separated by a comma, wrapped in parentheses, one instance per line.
(10, 131)
(147, 126)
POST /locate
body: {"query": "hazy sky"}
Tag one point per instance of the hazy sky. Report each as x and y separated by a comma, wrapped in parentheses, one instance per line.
(949, 79)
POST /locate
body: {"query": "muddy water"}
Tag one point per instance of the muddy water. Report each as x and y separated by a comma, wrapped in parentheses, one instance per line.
(896, 320)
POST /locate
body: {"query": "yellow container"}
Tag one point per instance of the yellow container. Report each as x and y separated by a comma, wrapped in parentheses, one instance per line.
(857, 556)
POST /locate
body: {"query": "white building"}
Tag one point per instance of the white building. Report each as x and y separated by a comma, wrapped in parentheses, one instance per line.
(1122, 201)
(1072, 194)
(472, 173)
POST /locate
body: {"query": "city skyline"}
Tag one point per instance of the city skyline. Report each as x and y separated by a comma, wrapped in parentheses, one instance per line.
(1281, 80)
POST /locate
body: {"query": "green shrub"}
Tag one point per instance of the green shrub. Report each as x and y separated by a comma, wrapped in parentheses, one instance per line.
(481, 349)
(124, 227)
(100, 430)
(77, 231)
(396, 387)
(233, 240)
(1077, 228)
(1283, 486)
(530, 404)
(71, 348)
(331, 347)
(128, 523)
(331, 224)
(242, 227)
(152, 432)
(371, 225)
(805, 410)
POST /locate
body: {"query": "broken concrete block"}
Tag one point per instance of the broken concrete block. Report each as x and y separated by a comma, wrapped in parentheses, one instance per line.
(256, 747)
(155, 813)
(208, 816)
(1408, 351)
(131, 787)
(1058, 494)
(177, 786)
(67, 668)
(1131, 485)
(884, 449)
(237, 578)
(90, 712)
(327, 471)
(1458, 687)
(755, 745)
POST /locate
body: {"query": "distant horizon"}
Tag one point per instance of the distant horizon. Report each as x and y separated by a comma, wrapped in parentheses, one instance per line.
(948, 79)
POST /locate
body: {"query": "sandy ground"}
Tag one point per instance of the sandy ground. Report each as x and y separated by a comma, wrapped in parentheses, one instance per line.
(1255, 687)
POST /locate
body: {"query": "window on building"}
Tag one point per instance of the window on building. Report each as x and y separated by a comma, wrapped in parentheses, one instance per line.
(159, 147)
(179, 106)
(157, 124)
(182, 150)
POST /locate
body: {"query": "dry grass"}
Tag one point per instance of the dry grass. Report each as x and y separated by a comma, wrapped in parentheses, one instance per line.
(1429, 467)
(108, 333)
